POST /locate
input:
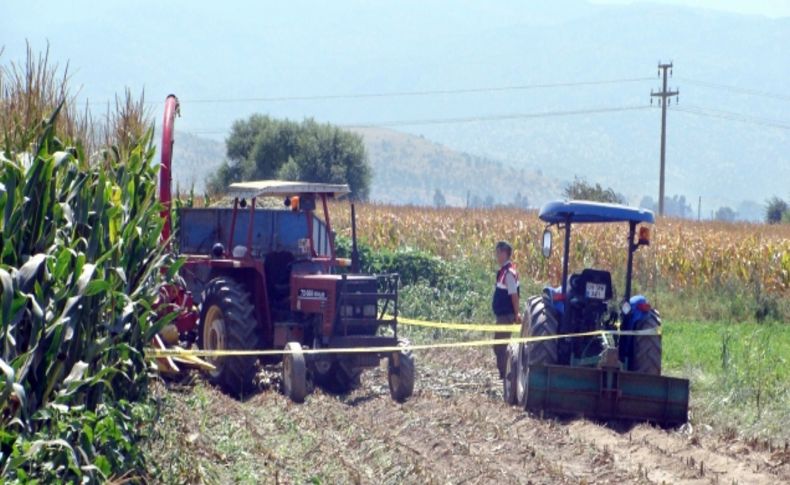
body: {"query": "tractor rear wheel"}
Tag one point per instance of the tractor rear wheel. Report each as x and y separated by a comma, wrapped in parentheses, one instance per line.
(540, 321)
(294, 373)
(647, 348)
(400, 372)
(227, 322)
(510, 382)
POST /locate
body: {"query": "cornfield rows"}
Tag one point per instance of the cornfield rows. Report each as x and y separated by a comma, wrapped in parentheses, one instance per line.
(683, 254)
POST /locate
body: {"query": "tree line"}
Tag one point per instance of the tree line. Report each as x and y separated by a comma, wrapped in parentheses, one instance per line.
(261, 147)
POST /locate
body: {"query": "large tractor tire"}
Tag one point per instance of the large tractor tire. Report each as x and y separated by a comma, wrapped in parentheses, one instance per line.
(227, 322)
(647, 348)
(400, 372)
(510, 382)
(294, 377)
(540, 321)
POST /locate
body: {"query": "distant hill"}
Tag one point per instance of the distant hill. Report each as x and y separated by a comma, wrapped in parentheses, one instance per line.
(407, 169)
(194, 159)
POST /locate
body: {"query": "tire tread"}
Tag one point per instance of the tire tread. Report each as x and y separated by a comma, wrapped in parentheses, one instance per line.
(242, 332)
(647, 348)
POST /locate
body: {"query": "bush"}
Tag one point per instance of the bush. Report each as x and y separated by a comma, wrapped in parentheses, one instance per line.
(413, 266)
(580, 189)
(431, 288)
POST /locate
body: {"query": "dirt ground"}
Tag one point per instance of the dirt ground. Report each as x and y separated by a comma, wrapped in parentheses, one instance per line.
(456, 429)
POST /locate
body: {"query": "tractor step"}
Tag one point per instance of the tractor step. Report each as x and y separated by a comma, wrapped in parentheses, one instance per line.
(608, 393)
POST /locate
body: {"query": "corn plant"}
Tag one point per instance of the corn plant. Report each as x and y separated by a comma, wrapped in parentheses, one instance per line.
(80, 270)
(735, 271)
(683, 254)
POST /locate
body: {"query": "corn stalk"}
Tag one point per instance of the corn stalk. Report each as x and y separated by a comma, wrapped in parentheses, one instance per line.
(80, 270)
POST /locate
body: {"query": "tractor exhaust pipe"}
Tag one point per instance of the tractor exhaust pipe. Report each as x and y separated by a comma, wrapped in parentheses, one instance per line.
(165, 177)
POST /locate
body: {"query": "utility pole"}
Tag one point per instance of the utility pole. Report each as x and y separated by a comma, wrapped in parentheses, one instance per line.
(664, 99)
(699, 209)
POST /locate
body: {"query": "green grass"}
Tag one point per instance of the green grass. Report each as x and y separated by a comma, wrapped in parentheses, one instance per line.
(740, 380)
(699, 347)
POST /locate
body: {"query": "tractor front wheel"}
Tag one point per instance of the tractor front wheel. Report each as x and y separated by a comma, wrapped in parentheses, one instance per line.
(540, 321)
(647, 348)
(227, 322)
(294, 373)
(401, 372)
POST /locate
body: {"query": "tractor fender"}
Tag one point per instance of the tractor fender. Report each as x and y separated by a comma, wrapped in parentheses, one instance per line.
(555, 298)
(640, 309)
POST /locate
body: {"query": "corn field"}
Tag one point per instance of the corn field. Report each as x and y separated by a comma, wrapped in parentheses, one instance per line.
(80, 271)
(683, 254)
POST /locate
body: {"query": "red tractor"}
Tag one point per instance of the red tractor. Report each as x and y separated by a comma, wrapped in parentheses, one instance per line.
(269, 278)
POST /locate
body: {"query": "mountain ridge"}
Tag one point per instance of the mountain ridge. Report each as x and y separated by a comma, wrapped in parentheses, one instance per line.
(407, 169)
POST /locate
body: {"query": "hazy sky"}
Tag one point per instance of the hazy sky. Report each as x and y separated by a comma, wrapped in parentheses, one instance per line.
(227, 60)
(769, 8)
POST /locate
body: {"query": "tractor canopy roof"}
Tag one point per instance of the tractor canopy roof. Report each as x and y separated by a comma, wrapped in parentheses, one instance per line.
(583, 211)
(279, 188)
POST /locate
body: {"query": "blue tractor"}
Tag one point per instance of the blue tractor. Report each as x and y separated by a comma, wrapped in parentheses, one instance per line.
(600, 375)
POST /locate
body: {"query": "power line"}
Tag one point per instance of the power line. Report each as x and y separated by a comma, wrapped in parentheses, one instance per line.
(434, 92)
(395, 94)
(512, 116)
(467, 119)
(693, 110)
(732, 116)
(736, 89)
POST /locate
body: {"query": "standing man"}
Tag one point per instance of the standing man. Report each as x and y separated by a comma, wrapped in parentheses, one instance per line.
(505, 303)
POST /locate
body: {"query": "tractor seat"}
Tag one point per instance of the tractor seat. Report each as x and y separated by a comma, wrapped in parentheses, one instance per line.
(591, 286)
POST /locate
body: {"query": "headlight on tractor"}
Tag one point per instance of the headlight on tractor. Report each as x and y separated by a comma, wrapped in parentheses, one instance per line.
(347, 311)
(626, 308)
(369, 310)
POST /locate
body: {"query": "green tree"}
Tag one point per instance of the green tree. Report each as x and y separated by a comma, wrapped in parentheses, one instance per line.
(725, 214)
(675, 206)
(521, 201)
(261, 147)
(580, 189)
(438, 199)
(775, 210)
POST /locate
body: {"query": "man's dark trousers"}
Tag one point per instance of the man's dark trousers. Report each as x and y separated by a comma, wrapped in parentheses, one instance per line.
(501, 350)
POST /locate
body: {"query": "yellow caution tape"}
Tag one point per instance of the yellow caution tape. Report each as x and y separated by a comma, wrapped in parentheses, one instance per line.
(472, 327)
(158, 353)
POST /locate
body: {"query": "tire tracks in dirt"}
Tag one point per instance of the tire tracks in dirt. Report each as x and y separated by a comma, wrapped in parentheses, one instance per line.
(457, 429)
(661, 456)
(645, 454)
